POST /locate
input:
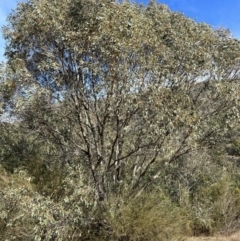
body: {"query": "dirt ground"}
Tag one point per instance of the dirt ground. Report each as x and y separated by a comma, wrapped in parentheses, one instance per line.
(232, 237)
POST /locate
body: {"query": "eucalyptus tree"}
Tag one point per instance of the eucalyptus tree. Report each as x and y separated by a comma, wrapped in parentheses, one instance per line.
(122, 89)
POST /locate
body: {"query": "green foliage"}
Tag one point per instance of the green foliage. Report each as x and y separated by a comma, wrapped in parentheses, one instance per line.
(15, 147)
(92, 86)
(149, 217)
(233, 148)
(74, 215)
(27, 215)
(216, 207)
(125, 120)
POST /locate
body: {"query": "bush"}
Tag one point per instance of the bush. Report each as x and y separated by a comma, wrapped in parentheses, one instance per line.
(216, 208)
(151, 216)
(27, 215)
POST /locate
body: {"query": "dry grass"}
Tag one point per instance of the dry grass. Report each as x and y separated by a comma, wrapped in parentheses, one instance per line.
(233, 237)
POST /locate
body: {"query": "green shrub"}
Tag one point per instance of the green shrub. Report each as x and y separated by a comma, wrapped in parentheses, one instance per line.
(216, 207)
(151, 216)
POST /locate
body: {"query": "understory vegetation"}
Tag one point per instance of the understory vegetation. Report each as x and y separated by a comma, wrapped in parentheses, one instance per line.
(123, 124)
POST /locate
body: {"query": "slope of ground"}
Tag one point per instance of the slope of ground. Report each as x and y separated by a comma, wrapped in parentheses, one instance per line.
(233, 237)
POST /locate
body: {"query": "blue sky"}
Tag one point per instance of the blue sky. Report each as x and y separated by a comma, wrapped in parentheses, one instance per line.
(217, 13)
